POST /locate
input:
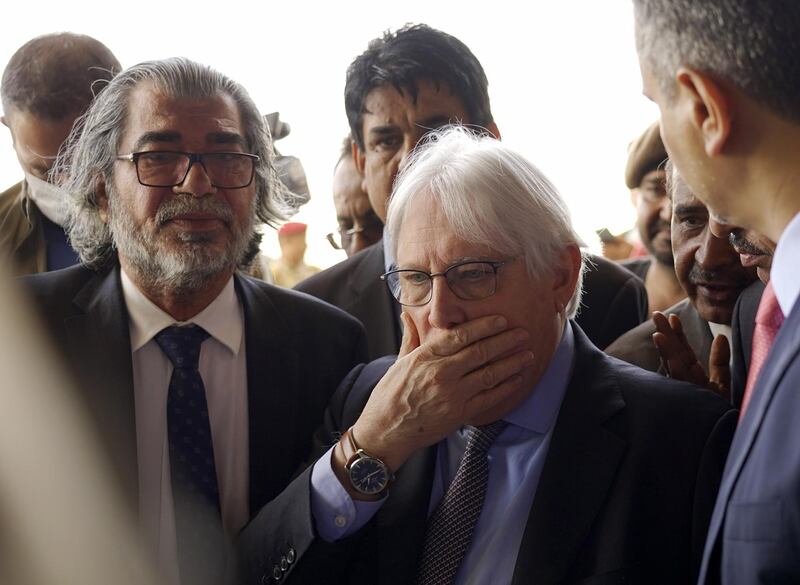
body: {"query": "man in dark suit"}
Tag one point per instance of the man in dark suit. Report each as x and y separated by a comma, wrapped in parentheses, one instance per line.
(709, 270)
(197, 376)
(729, 119)
(404, 85)
(589, 478)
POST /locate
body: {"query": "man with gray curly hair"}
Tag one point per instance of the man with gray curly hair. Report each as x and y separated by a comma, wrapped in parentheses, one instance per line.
(500, 445)
(196, 375)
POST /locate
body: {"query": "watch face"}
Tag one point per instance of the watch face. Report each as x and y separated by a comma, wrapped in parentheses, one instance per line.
(368, 475)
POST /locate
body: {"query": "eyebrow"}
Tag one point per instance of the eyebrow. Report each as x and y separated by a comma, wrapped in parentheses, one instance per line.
(212, 137)
(688, 209)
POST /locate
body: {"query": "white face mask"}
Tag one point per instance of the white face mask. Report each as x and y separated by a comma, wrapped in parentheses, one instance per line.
(49, 198)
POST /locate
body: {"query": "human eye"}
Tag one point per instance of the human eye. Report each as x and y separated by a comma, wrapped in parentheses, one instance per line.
(414, 278)
(156, 158)
(692, 222)
(471, 272)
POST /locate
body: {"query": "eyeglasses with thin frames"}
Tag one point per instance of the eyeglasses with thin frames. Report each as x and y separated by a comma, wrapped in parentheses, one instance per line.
(471, 280)
(169, 168)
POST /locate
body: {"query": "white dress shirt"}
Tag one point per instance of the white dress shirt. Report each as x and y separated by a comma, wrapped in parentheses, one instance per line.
(785, 276)
(223, 368)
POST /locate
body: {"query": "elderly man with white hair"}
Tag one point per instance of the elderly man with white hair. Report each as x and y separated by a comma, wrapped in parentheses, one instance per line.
(500, 445)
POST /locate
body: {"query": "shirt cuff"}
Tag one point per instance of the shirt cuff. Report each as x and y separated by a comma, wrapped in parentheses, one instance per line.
(336, 514)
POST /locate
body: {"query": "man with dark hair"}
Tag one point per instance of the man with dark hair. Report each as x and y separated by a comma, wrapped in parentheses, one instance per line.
(709, 270)
(359, 226)
(197, 375)
(730, 118)
(645, 176)
(47, 84)
(404, 85)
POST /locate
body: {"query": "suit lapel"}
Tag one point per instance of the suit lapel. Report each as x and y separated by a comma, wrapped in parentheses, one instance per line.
(372, 304)
(581, 465)
(784, 350)
(272, 370)
(99, 347)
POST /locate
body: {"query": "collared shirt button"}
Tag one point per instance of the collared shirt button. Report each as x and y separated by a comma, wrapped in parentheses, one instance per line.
(340, 521)
(291, 555)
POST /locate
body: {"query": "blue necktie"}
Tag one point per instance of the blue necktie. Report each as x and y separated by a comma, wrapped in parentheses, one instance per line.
(452, 523)
(198, 522)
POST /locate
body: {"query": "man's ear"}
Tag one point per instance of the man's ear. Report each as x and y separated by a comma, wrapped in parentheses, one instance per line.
(100, 198)
(4, 121)
(709, 108)
(568, 268)
(359, 157)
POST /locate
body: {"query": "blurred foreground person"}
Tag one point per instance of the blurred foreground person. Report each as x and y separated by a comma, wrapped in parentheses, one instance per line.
(405, 84)
(62, 516)
(730, 119)
(500, 445)
(645, 176)
(47, 84)
(196, 374)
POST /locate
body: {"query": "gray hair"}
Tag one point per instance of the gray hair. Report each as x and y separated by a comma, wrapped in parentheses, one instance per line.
(747, 43)
(490, 195)
(92, 148)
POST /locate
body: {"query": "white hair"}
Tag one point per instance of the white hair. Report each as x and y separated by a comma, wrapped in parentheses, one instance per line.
(491, 196)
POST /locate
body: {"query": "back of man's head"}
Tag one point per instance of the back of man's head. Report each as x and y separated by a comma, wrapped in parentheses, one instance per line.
(57, 75)
(405, 57)
(748, 44)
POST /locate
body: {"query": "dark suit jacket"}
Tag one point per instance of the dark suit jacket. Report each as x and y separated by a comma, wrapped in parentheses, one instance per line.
(298, 350)
(624, 497)
(614, 299)
(744, 319)
(755, 530)
(636, 346)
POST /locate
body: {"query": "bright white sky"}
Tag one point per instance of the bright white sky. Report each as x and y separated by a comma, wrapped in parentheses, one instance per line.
(563, 79)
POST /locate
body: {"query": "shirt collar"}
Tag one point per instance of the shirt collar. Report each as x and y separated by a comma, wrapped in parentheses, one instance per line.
(222, 319)
(538, 411)
(784, 275)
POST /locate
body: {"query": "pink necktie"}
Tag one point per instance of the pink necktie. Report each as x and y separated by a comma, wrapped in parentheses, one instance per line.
(769, 319)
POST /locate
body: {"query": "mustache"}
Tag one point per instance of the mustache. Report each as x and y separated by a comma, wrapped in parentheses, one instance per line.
(182, 205)
(700, 275)
(742, 244)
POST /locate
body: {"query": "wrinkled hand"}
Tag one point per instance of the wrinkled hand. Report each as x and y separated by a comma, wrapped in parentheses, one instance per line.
(681, 362)
(435, 388)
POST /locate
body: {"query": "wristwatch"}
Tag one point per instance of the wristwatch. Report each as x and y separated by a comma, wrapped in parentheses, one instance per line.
(368, 475)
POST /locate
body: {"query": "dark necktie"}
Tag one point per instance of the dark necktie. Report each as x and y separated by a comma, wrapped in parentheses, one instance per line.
(452, 523)
(769, 319)
(198, 523)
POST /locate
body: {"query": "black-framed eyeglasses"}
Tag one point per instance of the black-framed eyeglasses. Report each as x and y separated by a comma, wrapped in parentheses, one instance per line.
(341, 238)
(169, 168)
(471, 280)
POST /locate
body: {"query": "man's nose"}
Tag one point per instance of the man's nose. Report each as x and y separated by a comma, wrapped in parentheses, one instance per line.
(715, 252)
(665, 209)
(197, 182)
(444, 309)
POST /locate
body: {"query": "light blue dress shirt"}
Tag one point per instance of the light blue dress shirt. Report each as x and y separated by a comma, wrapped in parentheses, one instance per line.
(516, 460)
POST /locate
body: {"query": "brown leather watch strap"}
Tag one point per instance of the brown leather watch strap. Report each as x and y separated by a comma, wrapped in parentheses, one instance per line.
(349, 447)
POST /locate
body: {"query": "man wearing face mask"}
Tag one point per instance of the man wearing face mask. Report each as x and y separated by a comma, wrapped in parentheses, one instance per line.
(48, 83)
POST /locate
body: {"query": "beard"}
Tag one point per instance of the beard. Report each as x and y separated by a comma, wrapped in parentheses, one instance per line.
(178, 262)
